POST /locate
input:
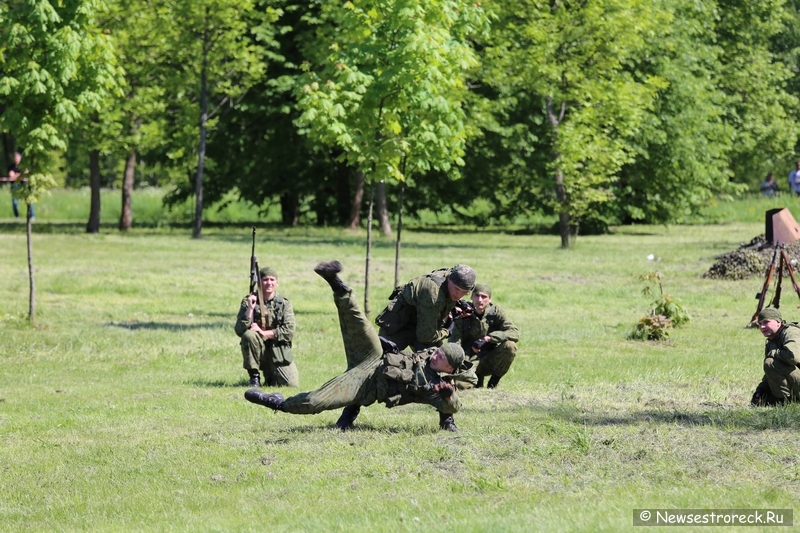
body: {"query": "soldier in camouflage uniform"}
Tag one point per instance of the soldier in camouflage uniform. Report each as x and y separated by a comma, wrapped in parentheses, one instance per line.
(417, 313)
(488, 337)
(421, 313)
(268, 349)
(781, 382)
(374, 373)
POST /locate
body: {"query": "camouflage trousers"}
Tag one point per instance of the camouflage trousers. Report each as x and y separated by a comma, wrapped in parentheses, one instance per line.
(494, 363)
(783, 379)
(257, 356)
(363, 352)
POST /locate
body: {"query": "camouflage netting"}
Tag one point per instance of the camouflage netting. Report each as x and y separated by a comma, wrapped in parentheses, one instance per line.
(750, 260)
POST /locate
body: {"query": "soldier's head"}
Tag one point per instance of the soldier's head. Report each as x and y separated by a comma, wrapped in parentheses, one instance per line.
(17, 157)
(447, 358)
(269, 281)
(481, 297)
(769, 322)
(460, 281)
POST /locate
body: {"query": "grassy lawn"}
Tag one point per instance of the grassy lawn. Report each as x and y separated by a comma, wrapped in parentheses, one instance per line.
(123, 409)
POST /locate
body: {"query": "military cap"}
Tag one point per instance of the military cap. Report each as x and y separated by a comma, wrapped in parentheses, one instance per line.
(268, 271)
(770, 313)
(484, 288)
(454, 353)
(463, 276)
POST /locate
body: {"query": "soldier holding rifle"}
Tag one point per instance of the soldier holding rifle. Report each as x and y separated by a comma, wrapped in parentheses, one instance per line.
(266, 325)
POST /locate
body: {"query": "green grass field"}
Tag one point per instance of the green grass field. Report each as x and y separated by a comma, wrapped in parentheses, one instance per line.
(122, 409)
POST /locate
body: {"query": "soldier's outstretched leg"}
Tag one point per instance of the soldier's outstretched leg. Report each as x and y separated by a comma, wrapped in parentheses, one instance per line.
(329, 271)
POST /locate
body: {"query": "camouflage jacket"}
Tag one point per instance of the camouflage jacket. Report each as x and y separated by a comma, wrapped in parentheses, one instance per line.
(785, 346)
(405, 377)
(422, 304)
(280, 318)
(494, 323)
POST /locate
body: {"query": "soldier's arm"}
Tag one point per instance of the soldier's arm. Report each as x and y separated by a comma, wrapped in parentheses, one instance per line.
(507, 332)
(428, 319)
(284, 329)
(456, 334)
(243, 321)
(790, 349)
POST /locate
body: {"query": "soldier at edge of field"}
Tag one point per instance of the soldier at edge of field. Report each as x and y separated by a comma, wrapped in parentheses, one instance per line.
(376, 371)
(268, 348)
(488, 337)
(781, 381)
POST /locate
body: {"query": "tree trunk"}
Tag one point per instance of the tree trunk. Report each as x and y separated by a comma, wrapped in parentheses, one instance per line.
(383, 212)
(32, 285)
(563, 215)
(355, 210)
(201, 150)
(93, 226)
(290, 209)
(126, 217)
(343, 174)
(399, 231)
(369, 253)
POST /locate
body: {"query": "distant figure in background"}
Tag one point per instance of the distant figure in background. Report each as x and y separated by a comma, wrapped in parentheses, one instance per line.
(781, 381)
(794, 179)
(18, 179)
(769, 186)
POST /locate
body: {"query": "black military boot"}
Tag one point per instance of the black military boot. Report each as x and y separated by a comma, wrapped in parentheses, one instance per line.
(329, 272)
(447, 422)
(274, 400)
(479, 385)
(255, 379)
(493, 381)
(349, 415)
(763, 397)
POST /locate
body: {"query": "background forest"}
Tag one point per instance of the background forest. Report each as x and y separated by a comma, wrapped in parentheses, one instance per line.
(598, 112)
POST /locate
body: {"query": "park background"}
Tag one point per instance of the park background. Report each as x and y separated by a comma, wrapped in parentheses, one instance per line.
(122, 409)
(562, 149)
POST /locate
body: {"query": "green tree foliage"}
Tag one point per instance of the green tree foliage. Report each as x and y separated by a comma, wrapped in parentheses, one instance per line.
(580, 60)
(216, 55)
(55, 64)
(386, 83)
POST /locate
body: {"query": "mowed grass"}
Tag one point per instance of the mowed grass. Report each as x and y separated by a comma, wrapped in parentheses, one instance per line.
(123, 409)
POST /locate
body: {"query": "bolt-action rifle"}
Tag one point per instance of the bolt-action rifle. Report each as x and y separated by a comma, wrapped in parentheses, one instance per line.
(255, 282)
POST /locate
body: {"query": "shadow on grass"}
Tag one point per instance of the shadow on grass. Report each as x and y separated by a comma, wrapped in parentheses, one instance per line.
(721, 416)
(135, 326)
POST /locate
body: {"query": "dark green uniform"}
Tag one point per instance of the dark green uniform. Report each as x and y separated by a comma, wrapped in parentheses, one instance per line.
(499, 353)
(273, 357)
(781, 357)
(415, 317)
(372, 376)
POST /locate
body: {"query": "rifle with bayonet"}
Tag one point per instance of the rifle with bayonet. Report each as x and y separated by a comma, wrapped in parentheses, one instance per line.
(255, 282)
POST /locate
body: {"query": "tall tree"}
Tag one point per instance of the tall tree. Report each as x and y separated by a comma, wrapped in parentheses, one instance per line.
(385, 84)
(55, 65)
(217, 56)
(579, 59)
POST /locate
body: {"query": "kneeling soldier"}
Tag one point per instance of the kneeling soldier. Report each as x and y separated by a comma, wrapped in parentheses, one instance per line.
(781, 382)
(487, 336)
(374, 373)
(267, 329)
